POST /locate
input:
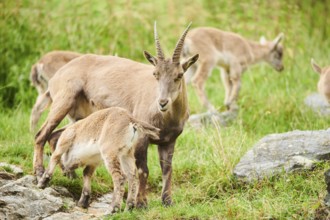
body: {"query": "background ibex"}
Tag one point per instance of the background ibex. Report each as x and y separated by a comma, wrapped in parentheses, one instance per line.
(110, 135)
(154, 94)
(323, 85)
(233, 54)
(41, 72)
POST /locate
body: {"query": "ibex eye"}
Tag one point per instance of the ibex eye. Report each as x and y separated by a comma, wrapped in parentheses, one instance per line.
(180, 75)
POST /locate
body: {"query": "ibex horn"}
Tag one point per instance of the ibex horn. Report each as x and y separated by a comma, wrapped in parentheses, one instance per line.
(179, 45)
(160, 54)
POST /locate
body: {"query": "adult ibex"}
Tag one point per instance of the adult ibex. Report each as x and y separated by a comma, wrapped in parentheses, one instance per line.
(323, 85)
(154, 94)
(110, 135)
(41, 72)
(233, 54)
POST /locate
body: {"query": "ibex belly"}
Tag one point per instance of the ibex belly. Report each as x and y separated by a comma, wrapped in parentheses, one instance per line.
(80, 154)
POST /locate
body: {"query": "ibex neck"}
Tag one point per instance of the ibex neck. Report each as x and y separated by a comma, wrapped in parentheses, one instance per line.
(178, 113)
(258, 52)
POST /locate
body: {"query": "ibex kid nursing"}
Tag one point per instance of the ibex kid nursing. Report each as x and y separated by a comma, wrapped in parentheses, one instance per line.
(153, 93)
(233, 54)
(41, 72)
(323, 85)
(110, 135)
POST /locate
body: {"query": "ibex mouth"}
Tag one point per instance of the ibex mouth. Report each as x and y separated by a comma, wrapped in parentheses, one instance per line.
(163, 109)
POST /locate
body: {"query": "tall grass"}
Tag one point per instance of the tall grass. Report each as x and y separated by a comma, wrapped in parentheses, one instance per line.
(204, 187)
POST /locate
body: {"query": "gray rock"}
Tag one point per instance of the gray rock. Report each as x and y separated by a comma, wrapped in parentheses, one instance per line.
(76, 215)
(220, 118)
(318, 104)
(17, 171)
(22, 200)
(101, 205)
(287, 152)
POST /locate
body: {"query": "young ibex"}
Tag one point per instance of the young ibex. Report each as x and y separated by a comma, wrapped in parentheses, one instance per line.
(323, 85)
(233, 54)
(110, 135)
(42, 72)
(155, 94)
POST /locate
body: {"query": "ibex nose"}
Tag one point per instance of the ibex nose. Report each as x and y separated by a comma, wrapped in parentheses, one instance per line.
(163, 102)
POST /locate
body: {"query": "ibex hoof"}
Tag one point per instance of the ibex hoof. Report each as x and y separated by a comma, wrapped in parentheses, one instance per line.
(167, 202)
(42, 182)
(142, 204)
(39, 171)
(114, 209)
(83, 201)
(129, 206)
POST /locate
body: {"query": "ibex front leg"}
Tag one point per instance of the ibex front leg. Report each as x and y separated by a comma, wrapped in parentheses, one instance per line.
(141, 154)
(165, 157)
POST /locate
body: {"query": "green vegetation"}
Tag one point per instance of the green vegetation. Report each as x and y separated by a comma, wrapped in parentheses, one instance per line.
(203, 185)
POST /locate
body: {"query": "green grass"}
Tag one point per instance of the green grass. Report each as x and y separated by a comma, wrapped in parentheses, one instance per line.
(203, 185)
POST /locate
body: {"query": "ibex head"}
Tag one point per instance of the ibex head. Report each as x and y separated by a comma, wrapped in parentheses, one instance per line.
(275, 54)
(323, 85)
(169, 72)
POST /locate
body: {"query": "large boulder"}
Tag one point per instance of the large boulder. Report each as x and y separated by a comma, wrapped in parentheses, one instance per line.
(287, 152)
(318, 104)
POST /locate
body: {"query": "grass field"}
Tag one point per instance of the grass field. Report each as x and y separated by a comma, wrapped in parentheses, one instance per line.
(203, 185)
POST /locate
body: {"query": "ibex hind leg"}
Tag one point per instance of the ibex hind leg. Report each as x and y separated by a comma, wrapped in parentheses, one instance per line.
(54, 160)
(60, 108)
(71, 174)
(130, 171)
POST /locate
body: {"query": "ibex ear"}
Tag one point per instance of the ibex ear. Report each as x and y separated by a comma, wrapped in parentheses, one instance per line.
(262, 40)
(189, 62)
(277, 40)
(316, 67)
(153, 60)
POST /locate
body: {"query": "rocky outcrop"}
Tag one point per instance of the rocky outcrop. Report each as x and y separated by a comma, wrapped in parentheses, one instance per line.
(287, 152)
(21, 199)
(318, 104)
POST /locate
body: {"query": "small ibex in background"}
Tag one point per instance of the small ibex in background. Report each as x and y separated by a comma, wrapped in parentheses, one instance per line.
(153, 93)
(233, 54)
(323, 85)
(42, 72)
(110, 135)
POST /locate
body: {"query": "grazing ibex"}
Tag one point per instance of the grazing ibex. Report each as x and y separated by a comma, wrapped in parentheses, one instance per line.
(42, 72)
(323, 85)
(110, 135)
(153, 93)
(233, 54)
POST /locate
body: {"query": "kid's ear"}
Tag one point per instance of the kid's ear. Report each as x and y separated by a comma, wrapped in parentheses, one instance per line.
(189, 62)
(153, 60)
(316, 67)
(277, 40)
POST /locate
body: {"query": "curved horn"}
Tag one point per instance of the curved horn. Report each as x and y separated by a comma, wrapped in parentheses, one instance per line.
(160, 54)
(179, 45)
